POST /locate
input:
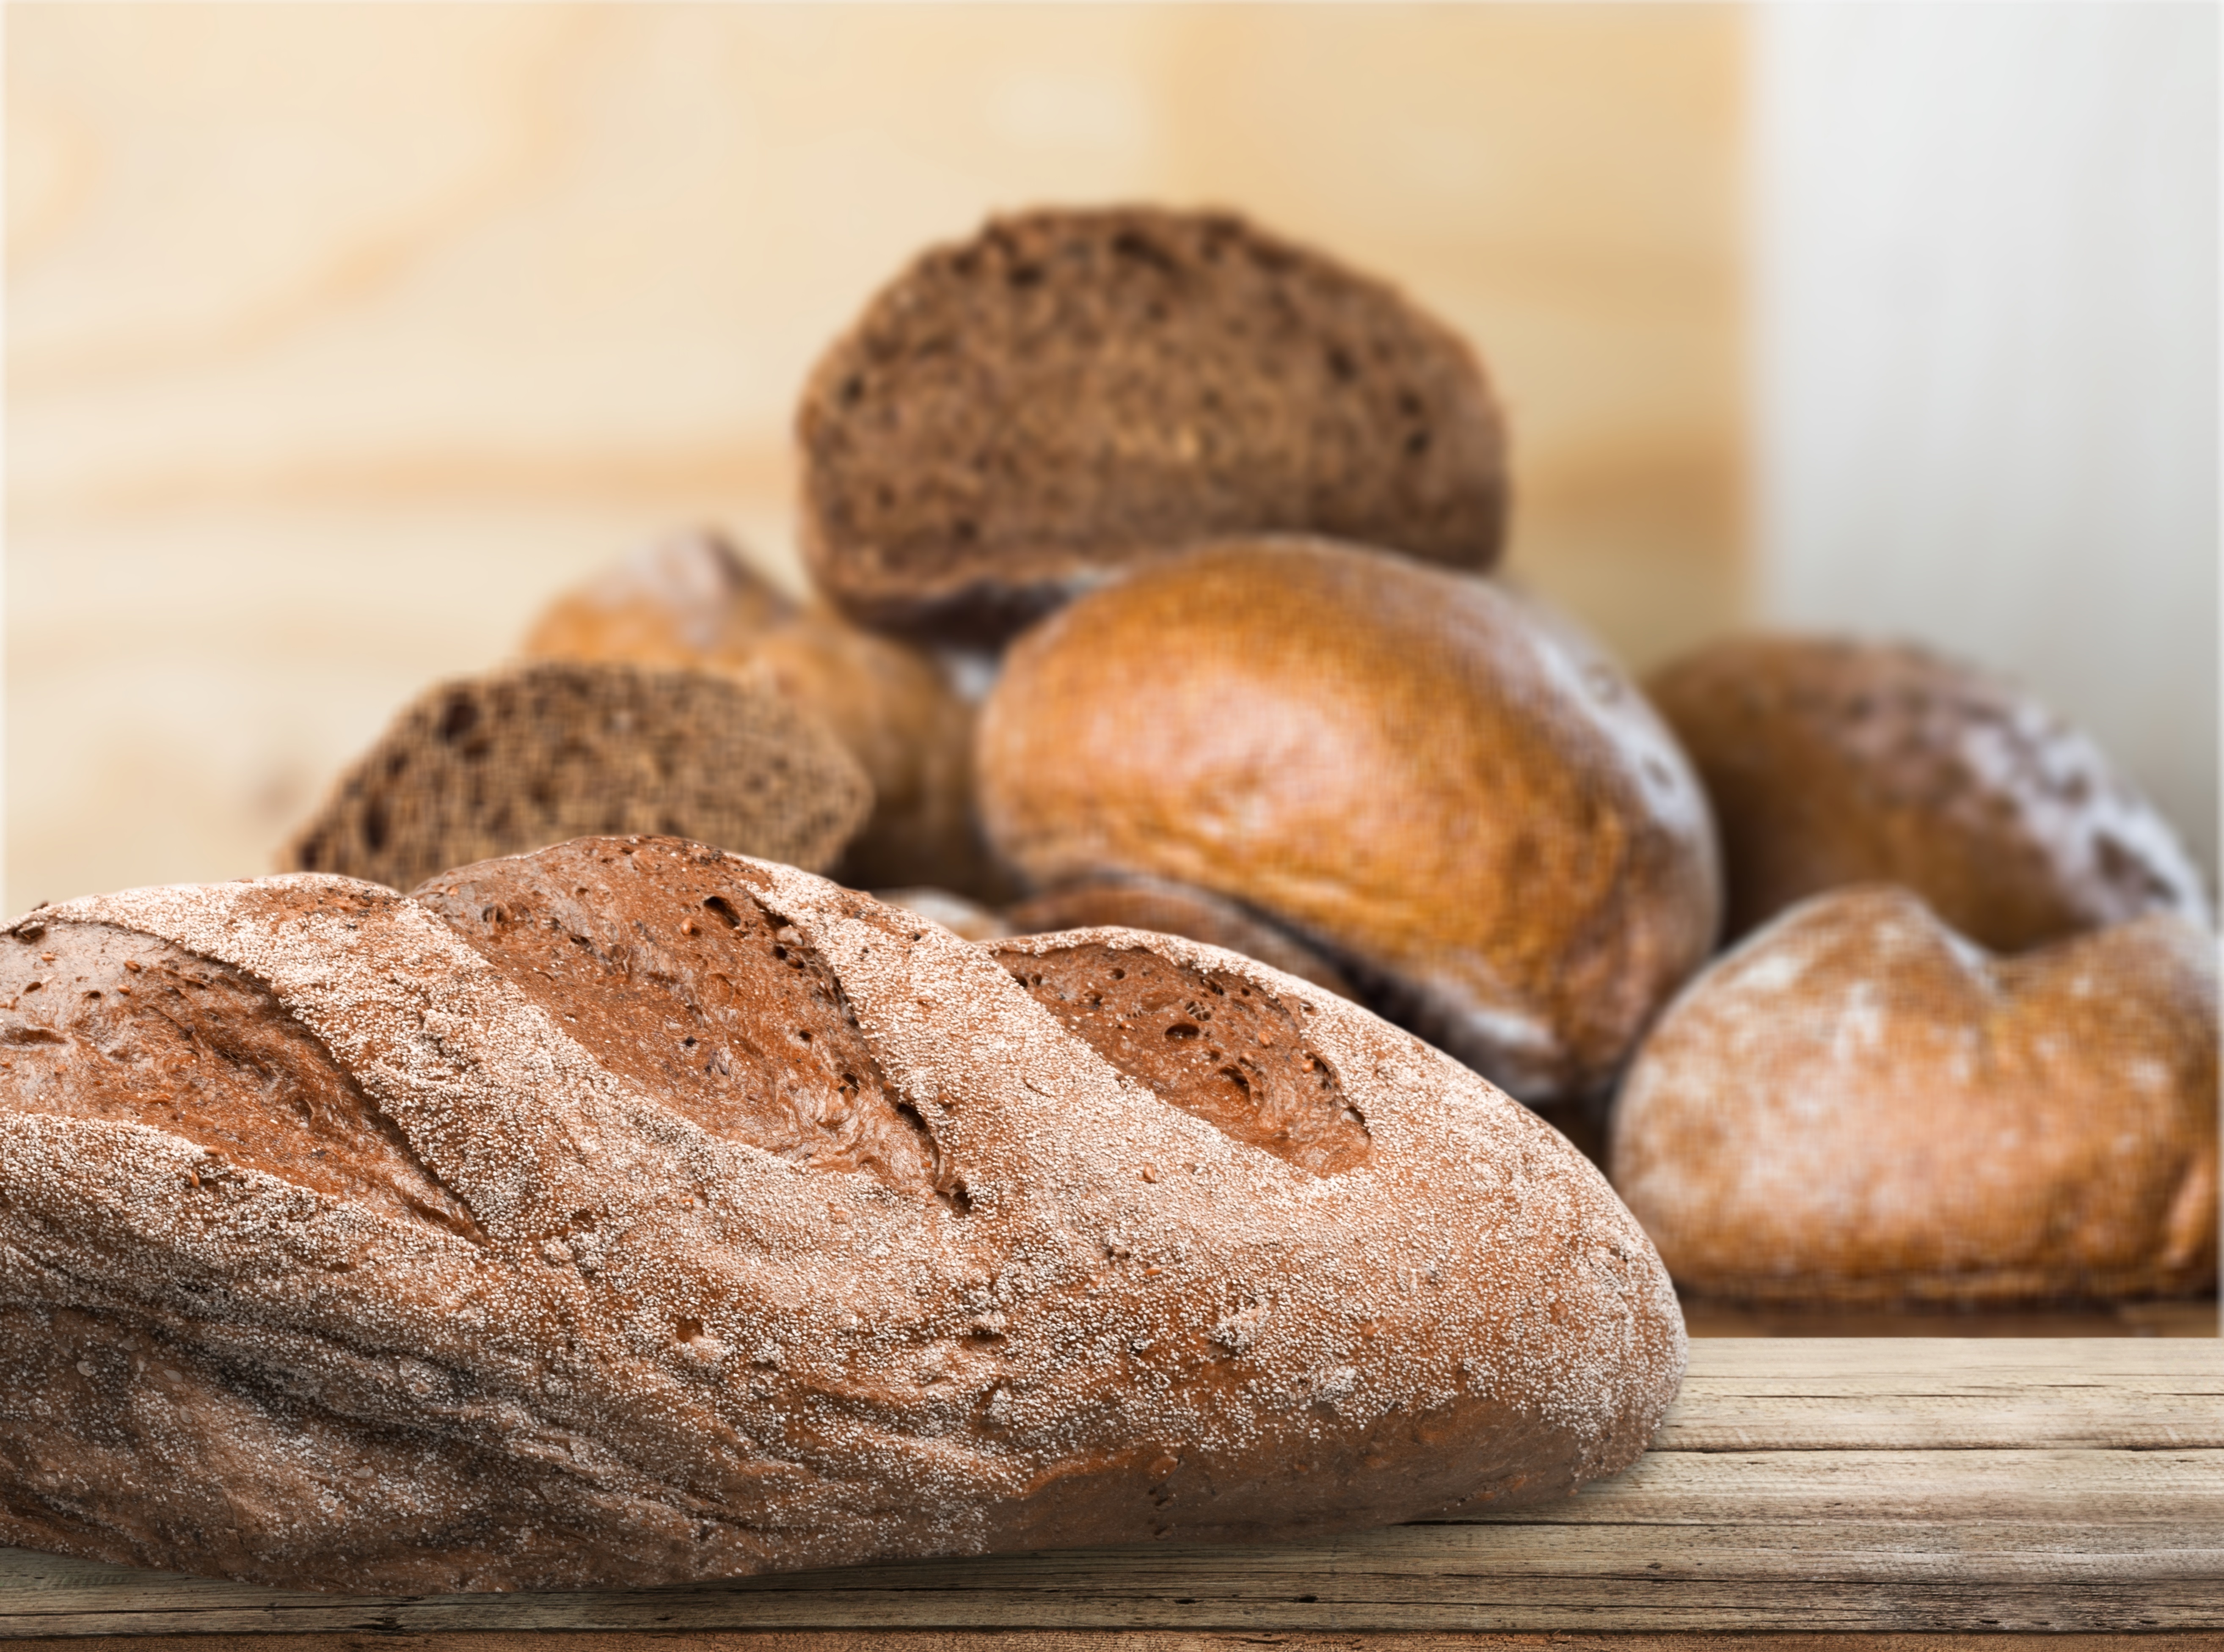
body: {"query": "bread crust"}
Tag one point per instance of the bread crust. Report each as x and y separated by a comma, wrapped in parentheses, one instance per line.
(971, 1288)
(1857, 1105)
(1832, 761)
(1174, 909)
(1071, 391)
(1477, 812)
(689, 601)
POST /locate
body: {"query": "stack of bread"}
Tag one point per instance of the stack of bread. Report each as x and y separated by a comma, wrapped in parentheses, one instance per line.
(615, 1208)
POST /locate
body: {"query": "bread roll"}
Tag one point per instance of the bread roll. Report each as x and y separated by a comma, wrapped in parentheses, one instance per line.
(687, 600)
(1857, 1105)
(1831, 761)
(1070, 391)
(1174, 909)
(1480, 815)
(630, 1214)
(968, 920)
(537, 754)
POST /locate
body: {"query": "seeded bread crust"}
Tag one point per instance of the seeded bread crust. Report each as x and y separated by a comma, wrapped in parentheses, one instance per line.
(1477, 810)
(1832, 761)
(541, 753)
(1016, 415)
(630, 1214)
(1857, 1105)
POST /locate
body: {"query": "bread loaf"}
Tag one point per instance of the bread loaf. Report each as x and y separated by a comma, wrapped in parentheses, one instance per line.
(1479, 814)
(541, 753)
(1831, 761)
(1857, 1105)
(630, 1213)
(1016, 416)
(688, 601)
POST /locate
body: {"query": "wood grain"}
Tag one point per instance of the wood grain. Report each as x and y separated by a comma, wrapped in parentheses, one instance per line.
(1912, 1486)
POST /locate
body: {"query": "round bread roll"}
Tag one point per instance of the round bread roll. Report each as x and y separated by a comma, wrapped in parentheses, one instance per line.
(688, 600)
(629, 1214)
(1482, 816)
(1857, 1105)
(1830, 761)
(1174, 909)
(1069, 391)
(521, 758)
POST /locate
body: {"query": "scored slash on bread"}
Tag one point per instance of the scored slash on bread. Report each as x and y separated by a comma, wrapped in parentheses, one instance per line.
(631, 1213)
(537, 754)
(1015, 416)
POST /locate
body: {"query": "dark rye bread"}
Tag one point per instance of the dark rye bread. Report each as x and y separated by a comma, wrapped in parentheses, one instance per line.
(1832, 760)
(1174, 909)
(1018, 415)
(537, 754)
(629, 1214)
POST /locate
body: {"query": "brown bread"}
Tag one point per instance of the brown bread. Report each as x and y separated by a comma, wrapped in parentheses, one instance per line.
(1070, 391)
(1476, 811)
(1830, 761)
(541, 753)
(1174, 909)
(687, 600)
(629, 1214)
(1857, 1105)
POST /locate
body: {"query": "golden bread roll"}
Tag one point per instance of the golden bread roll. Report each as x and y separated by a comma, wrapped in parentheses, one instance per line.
(1479, 814)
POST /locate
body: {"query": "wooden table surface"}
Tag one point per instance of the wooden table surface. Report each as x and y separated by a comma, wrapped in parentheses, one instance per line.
(1797, 1486)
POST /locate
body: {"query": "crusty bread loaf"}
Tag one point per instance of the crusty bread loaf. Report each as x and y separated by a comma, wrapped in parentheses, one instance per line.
(1835, 761)
(687, 600)
(1071, 390)
(630, 1213)
(967, 919)
(1174, 909)
(541, 753)
(1858, 1105)
(1477, 812)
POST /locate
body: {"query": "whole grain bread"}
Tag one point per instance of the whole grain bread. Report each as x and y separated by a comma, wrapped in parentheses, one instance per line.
(537, 754)
(631, 1213)
(1174, 909)
(1071, 391)
(1858, 1105)
(1833, 761)
(689, 601)
(1474, 809)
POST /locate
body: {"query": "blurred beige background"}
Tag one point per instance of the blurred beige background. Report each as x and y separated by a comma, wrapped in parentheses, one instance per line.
(342, 336)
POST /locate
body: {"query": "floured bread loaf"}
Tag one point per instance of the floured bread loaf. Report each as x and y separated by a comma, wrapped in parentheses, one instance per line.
(1174, 909)
(1858, 1105)
(632, 1214)
(1831, 761)
(1478, 813)
(687, 600)
(537, 754)
(1016, 415)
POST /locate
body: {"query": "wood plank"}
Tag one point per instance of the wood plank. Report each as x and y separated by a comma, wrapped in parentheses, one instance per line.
(1891, 1496)
(1023, 1640)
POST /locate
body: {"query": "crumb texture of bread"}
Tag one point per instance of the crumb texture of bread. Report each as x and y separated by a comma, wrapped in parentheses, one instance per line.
(1474, 808)
(547, 751)
(1172, 909)
(1858, 1105)
(1833, 761)
(689, 601)
(1070, 391)
(631, 1213)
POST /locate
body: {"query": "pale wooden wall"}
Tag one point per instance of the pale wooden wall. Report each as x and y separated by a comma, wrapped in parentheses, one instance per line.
(341, 336)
